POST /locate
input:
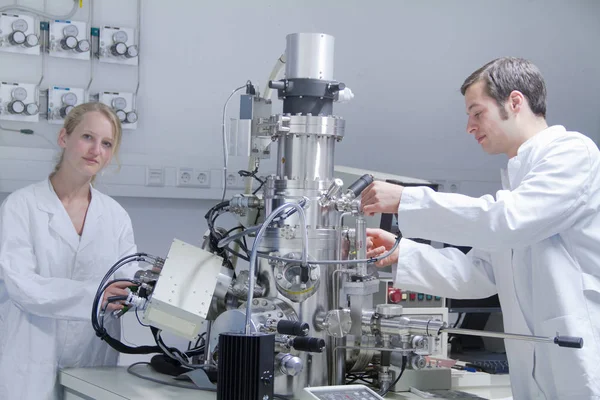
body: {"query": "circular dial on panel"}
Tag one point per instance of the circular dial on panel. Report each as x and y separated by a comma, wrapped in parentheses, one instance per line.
(65, 110)
(131, 117)
(16, 107)
(120, 36)
(20, 25)
(121, 114)
(70, 30)
(16, 38)
(132, 51)
(83, 46)
(119, 103)
(31, 109)
(32, 40)
(69, 43)
(69, 99)
(118, 49)
(19, 93)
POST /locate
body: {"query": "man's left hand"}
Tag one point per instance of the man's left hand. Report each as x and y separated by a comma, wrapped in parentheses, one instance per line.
(381, 197)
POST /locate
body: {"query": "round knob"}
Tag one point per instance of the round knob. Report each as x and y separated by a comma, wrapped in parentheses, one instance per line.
(31, 109)
(131, 117)
(418, 362)
(132, 51)
(118, 49)
(83, 46)
(64, 111)
(32, 40)
(394, 295)
(16, 107)
(16, 38)
(121, 115)
(389, 310)
(290, 365)
(68, 43)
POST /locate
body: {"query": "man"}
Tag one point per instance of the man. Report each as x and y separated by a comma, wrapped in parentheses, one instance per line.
(536, 244)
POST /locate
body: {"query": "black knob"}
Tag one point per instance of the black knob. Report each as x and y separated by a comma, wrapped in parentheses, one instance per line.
(310, 344)
(361, 184)
(293, 328)
(569, 341)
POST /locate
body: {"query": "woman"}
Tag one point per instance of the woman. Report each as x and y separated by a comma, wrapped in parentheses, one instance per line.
(58, 238)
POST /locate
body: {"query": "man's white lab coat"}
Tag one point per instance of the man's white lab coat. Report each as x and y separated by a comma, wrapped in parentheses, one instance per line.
(537, 245)
(48, 278)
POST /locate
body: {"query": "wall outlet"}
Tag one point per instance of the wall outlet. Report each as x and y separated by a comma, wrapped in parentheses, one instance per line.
(447, 186)
(193, 177)
(235, 181)
(155, 176)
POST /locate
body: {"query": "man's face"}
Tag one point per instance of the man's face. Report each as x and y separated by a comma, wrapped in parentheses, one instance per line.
(488, 122)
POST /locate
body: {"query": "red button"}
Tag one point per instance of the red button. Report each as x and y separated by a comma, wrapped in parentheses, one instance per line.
(394, 295)
(413, 296)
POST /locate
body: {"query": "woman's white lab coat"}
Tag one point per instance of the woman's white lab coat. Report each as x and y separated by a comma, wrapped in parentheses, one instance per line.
(537, 244)
(48, 278)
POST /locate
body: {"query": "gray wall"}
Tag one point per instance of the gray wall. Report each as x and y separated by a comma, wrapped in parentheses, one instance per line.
(408, 114)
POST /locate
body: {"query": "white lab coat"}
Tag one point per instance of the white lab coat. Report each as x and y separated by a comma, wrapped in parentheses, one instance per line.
(48, 278)
(537, 245)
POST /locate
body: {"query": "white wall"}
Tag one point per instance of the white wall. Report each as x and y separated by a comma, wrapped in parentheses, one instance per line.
(404, 60)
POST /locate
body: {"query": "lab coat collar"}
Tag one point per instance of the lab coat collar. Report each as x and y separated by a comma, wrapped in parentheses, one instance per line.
(60, 222)
(508, 174)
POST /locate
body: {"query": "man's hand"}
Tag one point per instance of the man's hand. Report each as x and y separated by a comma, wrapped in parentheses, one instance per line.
(116, 289)
(381, 197)
(379, 242)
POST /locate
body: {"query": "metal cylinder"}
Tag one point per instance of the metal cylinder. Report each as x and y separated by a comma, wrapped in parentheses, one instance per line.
(309, 55)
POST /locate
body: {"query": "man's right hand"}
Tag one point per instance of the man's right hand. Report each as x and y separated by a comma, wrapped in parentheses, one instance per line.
(379, 242)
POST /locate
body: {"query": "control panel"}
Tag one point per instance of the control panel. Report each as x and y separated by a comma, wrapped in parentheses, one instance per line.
(388, 294)
(344, 392)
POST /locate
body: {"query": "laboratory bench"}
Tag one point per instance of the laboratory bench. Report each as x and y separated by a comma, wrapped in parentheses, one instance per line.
(115, 383)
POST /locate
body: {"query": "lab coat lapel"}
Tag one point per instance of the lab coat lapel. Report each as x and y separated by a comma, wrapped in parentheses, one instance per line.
(92, 221)
(59, 220)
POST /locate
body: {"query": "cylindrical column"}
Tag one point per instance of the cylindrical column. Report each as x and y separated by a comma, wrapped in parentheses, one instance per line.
(309, 55)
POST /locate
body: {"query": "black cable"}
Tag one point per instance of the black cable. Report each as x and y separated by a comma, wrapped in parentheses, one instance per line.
(404, 361)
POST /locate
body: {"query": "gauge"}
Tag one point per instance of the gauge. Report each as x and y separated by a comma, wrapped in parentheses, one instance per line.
(132, 51)
(32, 40)
(69, 42)
(69, 99)
(118, 49)
(65, 111)
(20, 25)
(19, 93)
(16, 107)
(83, 46)
(131, 117)
(121, 115)
(31, 109)
(120, 37)
(119, 103)
(16, 38)
(70, 30)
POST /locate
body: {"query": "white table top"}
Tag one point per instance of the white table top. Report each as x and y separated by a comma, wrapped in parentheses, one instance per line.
(115, 383)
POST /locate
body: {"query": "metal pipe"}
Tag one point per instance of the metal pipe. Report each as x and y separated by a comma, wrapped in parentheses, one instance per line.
(259, 235)
(500, 335)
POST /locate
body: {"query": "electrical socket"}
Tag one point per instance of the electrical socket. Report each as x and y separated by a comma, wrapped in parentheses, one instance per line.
(235, 181)
(193, 177)
(447, 186)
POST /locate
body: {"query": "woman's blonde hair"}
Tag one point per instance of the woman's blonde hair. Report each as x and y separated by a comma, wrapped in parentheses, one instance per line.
(74, 118)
